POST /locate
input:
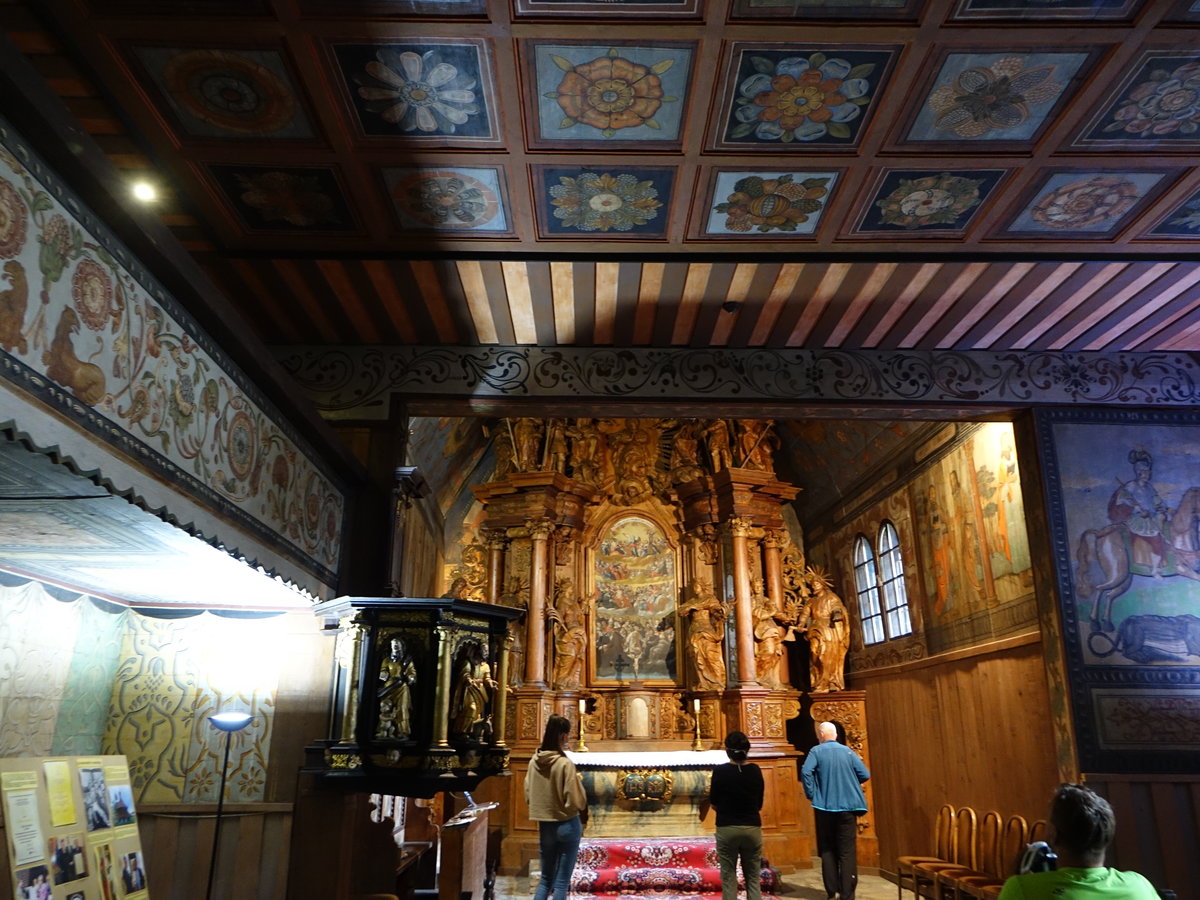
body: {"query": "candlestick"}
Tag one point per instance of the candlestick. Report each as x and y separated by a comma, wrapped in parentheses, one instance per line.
(696, 706)
(580, 746)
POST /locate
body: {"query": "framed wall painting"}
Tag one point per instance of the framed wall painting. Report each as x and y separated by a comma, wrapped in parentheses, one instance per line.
(635, 589)
(1124, 501)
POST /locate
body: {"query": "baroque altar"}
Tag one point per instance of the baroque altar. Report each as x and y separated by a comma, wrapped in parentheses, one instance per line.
(662, 600)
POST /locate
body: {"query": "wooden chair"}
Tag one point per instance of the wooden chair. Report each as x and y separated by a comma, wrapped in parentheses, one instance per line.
(943, 836)
(1013, 838)
(953, 883)
(962, 855)
(1038, 831)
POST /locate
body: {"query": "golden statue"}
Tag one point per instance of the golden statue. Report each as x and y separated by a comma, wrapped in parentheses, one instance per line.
(706, 637)
(769, 635)
(828, 633)
(570, 642)
(397, 675)
(472, 692)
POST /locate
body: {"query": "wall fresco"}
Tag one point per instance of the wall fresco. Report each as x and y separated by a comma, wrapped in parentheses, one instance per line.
(86, 329)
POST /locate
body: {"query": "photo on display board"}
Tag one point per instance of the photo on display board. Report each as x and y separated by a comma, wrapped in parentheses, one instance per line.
(33, 883)
(95, 799)
(67, 860)
(121, 799)
(133, 872)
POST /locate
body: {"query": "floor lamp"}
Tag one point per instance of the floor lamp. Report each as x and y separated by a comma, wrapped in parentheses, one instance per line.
(228, 722)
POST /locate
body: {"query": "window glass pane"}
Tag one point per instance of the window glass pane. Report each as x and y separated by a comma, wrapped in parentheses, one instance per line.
(895, 594)
(866, 585)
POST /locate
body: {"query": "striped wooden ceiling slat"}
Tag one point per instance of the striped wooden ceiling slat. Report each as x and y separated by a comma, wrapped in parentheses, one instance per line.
(584, 277)
(694, 286)
(920, 281)
(747, 316)
(628, 297)
(520, 303)
(387, 287)
(541, 297)
(562, 284)
(649, 294)
(438, 284)
(674, 277)
(267, 302)
(977, 304)
(968, 276)
(322, 315)
(1163, 325)
(347, 297)
(373, 305)
(470, 274)
(835, 273)
(781, 290)
(1145, 307)
(1039, 325)
(1148, 277)
(607, 277)
(1026, 303)
(710, 312)
(874, 285)
(739, 288)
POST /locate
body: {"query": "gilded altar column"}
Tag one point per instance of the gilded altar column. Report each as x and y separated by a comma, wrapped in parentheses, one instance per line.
(772, 544)
(535, 633)
(496, 545)
(739, 529)
(500, 708)
(441, 698)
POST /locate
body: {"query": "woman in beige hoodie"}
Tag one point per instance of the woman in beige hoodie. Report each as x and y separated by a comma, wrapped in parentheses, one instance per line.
(556, 801)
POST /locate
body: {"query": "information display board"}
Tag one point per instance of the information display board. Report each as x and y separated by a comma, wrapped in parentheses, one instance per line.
(72, 828)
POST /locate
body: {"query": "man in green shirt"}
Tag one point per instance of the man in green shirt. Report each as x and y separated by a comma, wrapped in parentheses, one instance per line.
(1082, 826)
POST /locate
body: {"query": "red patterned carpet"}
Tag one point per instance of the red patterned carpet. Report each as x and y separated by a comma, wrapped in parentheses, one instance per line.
(664, 868)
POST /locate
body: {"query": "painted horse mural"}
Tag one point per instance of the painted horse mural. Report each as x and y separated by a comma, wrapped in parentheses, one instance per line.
(1120, 551)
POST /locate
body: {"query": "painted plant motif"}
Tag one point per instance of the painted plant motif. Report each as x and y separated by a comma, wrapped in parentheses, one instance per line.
(230, 90)
(290, 197)
(99, 334)
(983, 99)
(1165, 104)
(604, 202)
(418, 92)
(772, 204)
(1093, 201)
(610, 93)
(449, 199)
(929, 200)
(1184, 220)
(800, 98)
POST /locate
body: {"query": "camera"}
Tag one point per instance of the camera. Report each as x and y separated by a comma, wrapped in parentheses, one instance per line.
(1037, 857)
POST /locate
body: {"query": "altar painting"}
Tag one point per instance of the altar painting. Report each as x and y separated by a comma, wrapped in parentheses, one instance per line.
(634, 593)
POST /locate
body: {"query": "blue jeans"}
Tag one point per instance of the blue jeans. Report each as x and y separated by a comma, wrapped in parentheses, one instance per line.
(742, 842)
(559, 845)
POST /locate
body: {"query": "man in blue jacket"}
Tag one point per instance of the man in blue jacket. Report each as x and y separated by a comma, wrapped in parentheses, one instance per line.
(833, 776)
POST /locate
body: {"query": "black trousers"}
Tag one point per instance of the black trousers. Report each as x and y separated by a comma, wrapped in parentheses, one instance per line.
(837, 837)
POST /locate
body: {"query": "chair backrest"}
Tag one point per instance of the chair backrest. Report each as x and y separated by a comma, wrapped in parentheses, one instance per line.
(1038, 831)
(1012, 844)
(943, 832)
(965, 828)
(990, 828)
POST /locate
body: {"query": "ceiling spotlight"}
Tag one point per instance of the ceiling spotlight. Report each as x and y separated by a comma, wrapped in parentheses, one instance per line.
(144, 191)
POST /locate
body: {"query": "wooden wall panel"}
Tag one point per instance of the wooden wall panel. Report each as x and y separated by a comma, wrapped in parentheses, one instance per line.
(963, 728)
(1158, 827)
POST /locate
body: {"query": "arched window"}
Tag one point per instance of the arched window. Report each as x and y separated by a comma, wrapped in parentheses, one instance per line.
(891, 572)
(879, 584)
(866, 587)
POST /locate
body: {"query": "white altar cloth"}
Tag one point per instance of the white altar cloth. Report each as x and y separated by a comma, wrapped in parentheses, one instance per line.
(670, 759)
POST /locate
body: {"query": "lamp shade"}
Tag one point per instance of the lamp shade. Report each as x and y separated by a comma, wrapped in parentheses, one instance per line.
(230, 721)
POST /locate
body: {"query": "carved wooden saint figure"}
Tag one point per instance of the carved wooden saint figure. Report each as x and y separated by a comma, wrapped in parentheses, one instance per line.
(769, 635)
(397, 675)
(828, 633)
(570, 641)
(706, 637)
(472, 692)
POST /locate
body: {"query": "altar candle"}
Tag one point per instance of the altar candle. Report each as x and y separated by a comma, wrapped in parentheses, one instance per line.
(696, 705)
(582, 707)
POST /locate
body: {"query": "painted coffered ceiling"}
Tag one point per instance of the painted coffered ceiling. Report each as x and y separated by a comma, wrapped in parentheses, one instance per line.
(968, 174)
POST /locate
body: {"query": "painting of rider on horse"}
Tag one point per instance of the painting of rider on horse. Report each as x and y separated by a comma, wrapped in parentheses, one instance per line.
(1145, 542)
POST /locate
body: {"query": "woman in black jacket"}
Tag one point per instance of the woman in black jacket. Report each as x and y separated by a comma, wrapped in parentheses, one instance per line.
(737, 796)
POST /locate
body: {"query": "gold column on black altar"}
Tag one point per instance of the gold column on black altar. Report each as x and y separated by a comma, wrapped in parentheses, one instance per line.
(441, 711)
(535, 634)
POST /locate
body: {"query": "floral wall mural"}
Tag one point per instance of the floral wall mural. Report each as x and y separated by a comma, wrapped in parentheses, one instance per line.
(128, 363)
